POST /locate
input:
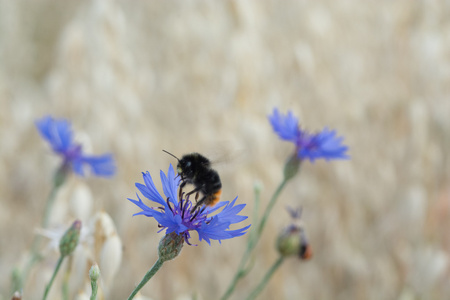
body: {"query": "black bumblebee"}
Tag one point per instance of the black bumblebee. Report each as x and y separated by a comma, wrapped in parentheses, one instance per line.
(195, 169)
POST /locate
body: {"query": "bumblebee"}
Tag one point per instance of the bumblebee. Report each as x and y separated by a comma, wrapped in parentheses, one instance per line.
(305, 252)
(195, 169)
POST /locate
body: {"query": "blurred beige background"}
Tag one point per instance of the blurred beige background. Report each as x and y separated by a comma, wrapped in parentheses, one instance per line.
(136, 77)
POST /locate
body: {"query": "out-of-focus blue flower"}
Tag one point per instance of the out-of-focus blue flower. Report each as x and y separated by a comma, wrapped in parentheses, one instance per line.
(59, 134)
(175, 214)
(324, 144)
(285, 126)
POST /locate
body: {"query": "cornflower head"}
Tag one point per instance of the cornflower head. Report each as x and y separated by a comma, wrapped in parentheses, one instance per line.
(59, 134)
(324, 144)
(173, 211)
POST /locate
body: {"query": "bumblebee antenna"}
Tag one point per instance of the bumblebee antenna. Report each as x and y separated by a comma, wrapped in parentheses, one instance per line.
(170, 154)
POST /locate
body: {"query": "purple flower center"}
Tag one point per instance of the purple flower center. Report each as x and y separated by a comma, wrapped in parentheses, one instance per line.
(74, 152)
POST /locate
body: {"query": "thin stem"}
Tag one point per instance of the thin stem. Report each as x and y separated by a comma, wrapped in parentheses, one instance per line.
(35, 256)
(268, 210)
(94, 287)
(58, 180)
(266, 278)
(257, 191)
(65, 286)
(147, 277)
(49, 285)
(94, 275)
(48, 206)
(253, 240)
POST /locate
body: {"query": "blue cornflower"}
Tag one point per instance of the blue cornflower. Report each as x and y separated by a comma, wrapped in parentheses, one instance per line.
(324, 144)
(59, 134)
(175, 214)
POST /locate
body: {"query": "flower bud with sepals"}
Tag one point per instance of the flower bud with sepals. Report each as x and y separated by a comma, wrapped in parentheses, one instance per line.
(69, 241)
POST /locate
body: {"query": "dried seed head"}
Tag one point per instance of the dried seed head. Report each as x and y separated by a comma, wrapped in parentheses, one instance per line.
(110, 258)
(81, 202)
(102, 227)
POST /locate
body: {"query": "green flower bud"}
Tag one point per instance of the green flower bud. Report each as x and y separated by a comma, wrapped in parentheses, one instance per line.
(69, 241)
(288, 242)
(170, 246)
(291, 167)
(258, 186)
(61, 174)
(94, 272)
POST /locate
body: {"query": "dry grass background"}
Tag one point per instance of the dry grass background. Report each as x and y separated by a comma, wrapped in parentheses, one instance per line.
(137, 77)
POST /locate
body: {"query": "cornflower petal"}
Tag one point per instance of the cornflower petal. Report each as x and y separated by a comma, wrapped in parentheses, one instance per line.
(285, 126)
(240, 231)
(77, 166)
(230, 213)
(324, 144)
(218, 230)
(210, 209)
(102, 165)
(149, 189)
(147, 211)
(331, 145)
(170, 184)
(57, 132)
(172, 222)
(214, 230)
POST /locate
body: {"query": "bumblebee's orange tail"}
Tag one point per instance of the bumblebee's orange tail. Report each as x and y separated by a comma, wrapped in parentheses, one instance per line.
(215, 198)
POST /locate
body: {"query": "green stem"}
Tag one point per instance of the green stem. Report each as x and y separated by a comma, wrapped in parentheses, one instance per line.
(94, 275)
(253, 240)
(49, 285)
(257, 191)
(269, 208)
(65, 289)
(94, 287)
(35, 256)
(147, 277)
(266, 278)
(48, 206)
(58, 179)
(65, 286)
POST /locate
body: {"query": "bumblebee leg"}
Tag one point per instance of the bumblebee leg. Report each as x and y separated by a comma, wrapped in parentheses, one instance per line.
(194, 191)
(180, 192)
(198, 204)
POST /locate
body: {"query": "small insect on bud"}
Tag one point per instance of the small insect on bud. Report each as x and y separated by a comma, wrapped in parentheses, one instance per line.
(305, 251)
(16, 296)
(69, 241)
(292, 240)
